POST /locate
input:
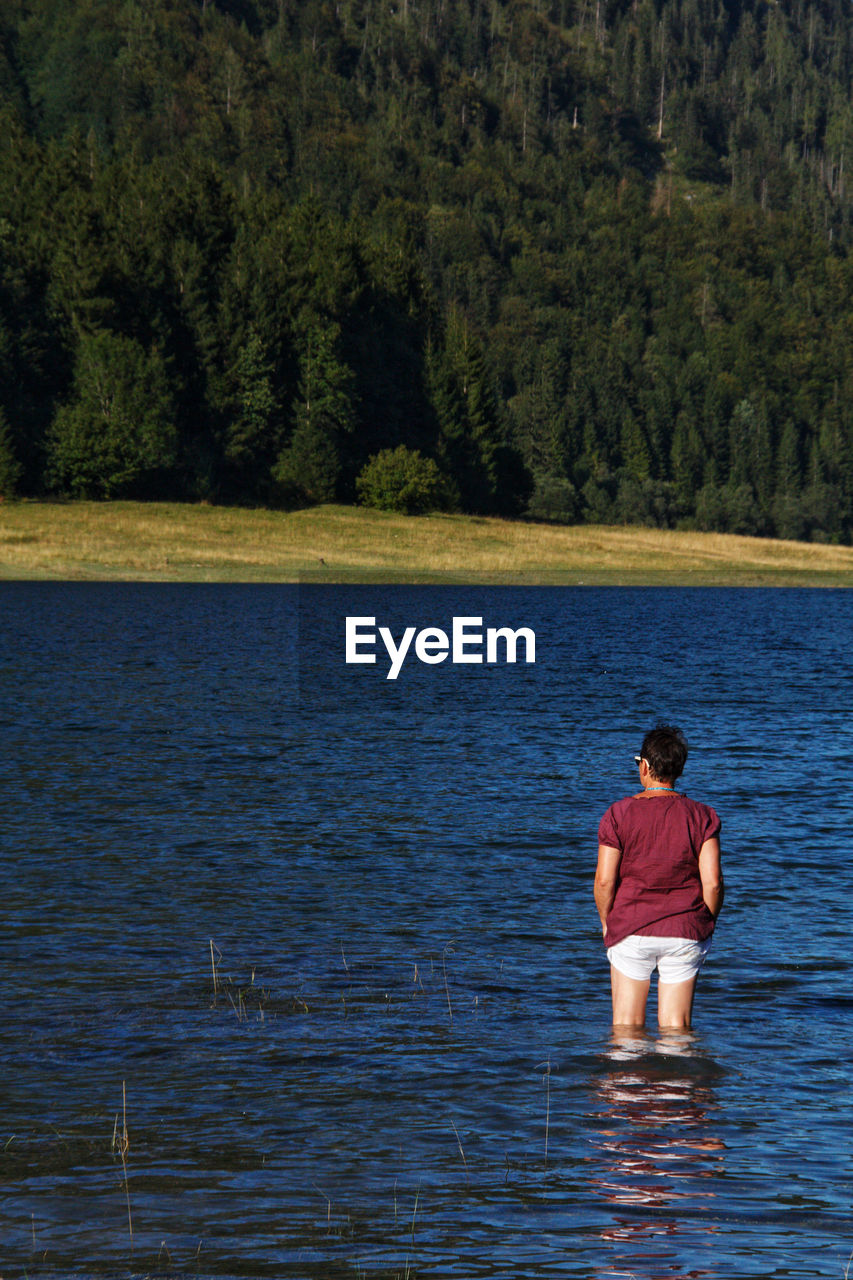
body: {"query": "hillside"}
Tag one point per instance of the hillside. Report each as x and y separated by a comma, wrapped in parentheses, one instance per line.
(591, 259)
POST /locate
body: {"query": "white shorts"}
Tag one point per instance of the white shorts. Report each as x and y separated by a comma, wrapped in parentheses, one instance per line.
(676, 959)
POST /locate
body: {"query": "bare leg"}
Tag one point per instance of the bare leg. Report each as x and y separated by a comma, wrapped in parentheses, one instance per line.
(629, 999)
(675, 1003)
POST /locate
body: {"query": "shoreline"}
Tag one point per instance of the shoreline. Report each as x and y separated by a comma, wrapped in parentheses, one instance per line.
(178, 542)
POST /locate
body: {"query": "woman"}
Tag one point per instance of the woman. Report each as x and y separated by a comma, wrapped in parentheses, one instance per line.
(658, 886)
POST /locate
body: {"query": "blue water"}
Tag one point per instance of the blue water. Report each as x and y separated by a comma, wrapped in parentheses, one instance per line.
(321, 945)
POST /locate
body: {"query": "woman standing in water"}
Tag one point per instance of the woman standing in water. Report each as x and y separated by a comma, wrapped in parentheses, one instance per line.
(658, 886)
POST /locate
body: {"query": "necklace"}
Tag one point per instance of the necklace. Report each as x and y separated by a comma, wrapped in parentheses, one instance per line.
(672, 789)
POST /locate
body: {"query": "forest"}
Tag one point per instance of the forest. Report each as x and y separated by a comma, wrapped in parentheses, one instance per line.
(569, 260)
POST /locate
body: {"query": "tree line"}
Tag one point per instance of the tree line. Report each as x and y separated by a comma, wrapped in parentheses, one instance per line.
(585, 260)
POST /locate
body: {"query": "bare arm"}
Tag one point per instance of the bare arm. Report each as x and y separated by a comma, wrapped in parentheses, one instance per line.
(606, 879)
(711, 874)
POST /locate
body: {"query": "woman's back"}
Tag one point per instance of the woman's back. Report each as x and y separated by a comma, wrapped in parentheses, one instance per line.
(659, 889)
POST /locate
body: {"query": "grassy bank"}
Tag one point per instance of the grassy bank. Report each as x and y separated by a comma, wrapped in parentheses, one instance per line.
(170, 542)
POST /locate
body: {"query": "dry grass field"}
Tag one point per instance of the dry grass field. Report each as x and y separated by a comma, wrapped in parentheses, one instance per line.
(197, 543)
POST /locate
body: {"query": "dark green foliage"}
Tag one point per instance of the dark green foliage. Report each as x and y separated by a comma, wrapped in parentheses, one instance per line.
(403, 480)
(10, 468)
(117, 434)
(248, 245)
(251, 433)
(310, 468)
(486, 468)
(554, 499)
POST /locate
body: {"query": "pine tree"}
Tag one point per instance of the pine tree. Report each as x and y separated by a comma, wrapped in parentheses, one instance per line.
(633, 449)
(251, 434)
(687, 459)
(10, 468)
(310, 468)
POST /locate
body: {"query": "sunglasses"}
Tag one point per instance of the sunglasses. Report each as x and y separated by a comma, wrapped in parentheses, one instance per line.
(638, 759)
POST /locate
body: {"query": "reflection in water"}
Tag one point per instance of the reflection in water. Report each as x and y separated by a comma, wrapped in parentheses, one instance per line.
(658, 1158)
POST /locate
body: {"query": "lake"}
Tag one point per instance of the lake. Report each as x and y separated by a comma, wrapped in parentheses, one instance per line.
(302, 972)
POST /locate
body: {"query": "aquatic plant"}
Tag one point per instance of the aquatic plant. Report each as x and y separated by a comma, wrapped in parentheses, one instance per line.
(121, 1145)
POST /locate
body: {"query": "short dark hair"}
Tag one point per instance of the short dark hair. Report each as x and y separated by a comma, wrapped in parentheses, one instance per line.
(665, 749)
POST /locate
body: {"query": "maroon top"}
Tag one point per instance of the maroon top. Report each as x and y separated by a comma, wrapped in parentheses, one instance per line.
(658, 890)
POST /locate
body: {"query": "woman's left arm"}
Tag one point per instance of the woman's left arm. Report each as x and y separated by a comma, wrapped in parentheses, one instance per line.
(606, 880)
(711, 875)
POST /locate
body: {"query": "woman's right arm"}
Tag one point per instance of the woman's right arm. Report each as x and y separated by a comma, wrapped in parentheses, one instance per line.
(606, 880)
(711, 874)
